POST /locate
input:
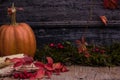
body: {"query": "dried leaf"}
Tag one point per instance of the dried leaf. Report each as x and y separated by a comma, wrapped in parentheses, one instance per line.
(50, 60)
(57, 71)
(87, 55)
(16, 60)
(57, 65)
(111, 4)
(48, 73)
(64, 69)
(39, 64)
(18, 64)
(32, 78)
(104, 19)
(40, 74)
(49, 67)
(81, 45)
(27, 60)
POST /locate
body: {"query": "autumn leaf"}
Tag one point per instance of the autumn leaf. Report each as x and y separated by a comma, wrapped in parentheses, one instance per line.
(49, 67)
(27, 60)
(39, 64)
(49, 60)
(81, 45)
(111, 4)
(15, 60)
(87, 55)
(40, 74)
(42, 69)
(104, 20)
(57, 65)
(48, 73)
(64, 69)
(18, 64)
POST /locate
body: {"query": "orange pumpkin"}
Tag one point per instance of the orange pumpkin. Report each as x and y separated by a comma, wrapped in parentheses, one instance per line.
(16, 37)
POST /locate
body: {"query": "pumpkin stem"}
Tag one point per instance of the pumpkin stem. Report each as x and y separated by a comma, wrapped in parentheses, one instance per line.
(13, 14)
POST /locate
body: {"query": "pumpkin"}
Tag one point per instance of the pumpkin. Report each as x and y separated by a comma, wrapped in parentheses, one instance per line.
(16, 37)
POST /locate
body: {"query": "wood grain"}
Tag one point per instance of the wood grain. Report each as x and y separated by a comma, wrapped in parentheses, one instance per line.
(86, 73)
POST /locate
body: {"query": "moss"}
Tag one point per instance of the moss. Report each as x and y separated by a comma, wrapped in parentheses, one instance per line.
(68, 54)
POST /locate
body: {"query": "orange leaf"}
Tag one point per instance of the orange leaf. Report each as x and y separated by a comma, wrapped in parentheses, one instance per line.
(81, 45)
(104, 19)
(57, 65)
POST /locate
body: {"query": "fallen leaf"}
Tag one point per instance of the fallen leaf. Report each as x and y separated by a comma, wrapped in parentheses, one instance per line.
(104, 20)
(40, 74)
(64, 69)
(57, 65)
(111, 4)
(18, 64)
(49, 67)
(39, 64)
(48, 74)
(15, 60)
(81, 45)
(27, 60)
(49, 60)
(87, 55)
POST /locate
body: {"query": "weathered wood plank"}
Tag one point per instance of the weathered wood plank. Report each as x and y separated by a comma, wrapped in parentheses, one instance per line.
(51, 24)
(86, 73)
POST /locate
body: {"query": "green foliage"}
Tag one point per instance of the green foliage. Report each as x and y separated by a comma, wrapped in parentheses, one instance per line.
(68, 54)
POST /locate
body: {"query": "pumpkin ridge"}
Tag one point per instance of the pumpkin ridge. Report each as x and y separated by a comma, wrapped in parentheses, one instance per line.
(32, 40)
(2, 49)
(15, 40)
(11, 41)
(26, 40)
(19, 38)
(1, 30)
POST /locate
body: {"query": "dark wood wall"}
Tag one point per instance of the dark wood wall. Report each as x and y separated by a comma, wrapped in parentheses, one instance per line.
(55, 20)
(60, 12)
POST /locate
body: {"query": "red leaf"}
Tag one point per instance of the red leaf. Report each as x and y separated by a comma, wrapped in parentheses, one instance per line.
(40, 74)
(39, 64)
(49, 67)
(87, 55)
(27, 60)
(48, 73)
(57, 65)
(110, 4)
(18, 64)
(50, 60)
(57, 71)
(15, 60)
(106, 4)
(32, 78)
(64, 69)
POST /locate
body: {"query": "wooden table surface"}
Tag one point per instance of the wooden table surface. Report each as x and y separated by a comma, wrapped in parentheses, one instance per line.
(85, 73)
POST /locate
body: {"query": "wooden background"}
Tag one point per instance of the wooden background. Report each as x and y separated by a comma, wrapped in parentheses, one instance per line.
(60, 12)
(59, 20)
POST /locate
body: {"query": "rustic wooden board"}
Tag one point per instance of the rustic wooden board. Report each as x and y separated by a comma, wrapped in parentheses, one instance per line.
(86, 73)
(65, 12)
